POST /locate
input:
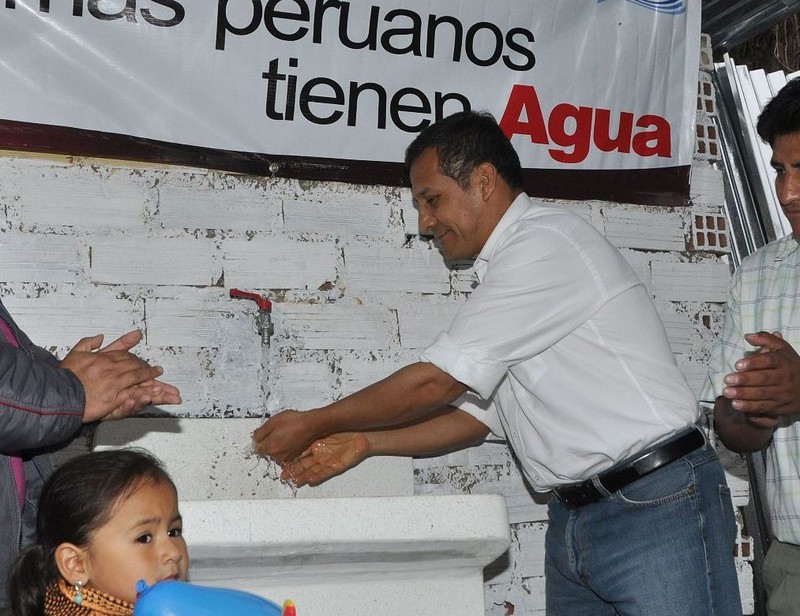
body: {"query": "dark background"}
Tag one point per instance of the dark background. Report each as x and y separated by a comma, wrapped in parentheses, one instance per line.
(758, 33)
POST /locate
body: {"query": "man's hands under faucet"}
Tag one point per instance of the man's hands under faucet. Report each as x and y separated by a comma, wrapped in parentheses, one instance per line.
(327, 457)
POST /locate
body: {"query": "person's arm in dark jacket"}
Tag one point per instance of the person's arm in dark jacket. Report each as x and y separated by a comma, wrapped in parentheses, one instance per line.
(40, 404)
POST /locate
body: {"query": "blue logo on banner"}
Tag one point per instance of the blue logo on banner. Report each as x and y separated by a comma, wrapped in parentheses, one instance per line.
(671, 7)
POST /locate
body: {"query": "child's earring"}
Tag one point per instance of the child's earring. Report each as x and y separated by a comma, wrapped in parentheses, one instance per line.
(78, 586)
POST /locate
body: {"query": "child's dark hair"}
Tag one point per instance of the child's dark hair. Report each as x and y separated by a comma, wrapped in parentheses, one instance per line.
(77, 499)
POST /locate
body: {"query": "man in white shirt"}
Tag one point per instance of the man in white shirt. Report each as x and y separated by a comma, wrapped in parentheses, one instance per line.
(560, 349)
(754, 370)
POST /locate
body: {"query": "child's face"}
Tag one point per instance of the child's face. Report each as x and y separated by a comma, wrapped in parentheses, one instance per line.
(143, 539)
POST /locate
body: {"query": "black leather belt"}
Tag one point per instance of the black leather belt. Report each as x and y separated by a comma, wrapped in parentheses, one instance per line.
(580, 494)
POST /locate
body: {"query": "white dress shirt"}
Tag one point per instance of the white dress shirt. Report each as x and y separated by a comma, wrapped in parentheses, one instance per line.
(564, 347)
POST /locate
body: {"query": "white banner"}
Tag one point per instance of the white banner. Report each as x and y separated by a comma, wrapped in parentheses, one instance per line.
(583, 84)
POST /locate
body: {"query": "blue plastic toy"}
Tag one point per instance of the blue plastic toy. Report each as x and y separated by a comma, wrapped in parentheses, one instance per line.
(172, 598)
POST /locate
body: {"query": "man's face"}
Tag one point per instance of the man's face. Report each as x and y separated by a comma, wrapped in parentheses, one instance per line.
(786, 162)
(456, 217)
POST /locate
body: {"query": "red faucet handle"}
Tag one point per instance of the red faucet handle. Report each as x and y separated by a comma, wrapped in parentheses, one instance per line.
(262, 302)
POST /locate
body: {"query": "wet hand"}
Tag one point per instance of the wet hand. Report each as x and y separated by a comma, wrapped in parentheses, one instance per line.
(284, 436)
(766, 384)
(326, 458)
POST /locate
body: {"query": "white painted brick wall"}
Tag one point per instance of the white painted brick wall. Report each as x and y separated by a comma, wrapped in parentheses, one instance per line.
(338, 327)
(102, 247)
(60, 319)
(223, 205)
(409, 215)
(40, 258)
(167, 261)
(358, 373)
(680, 329)
(304, 385)
(421, 322)
(76, 197)
(279, 263)
(360, 215)
(646, 228)
(414, 270)
(640, 262)
(680, 282)
(201, 318)
(708, 186)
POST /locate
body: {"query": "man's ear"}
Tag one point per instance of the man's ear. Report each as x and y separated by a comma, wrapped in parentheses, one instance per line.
(486, 176)
(72, 563)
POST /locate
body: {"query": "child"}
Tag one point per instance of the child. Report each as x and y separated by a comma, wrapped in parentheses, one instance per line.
(106, 520)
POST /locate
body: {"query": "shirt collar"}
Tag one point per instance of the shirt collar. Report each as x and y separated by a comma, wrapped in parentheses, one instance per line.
(790, 246)
(517, 208)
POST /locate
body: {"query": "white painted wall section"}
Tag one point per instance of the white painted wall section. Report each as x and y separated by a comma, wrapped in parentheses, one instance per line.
(279, 263)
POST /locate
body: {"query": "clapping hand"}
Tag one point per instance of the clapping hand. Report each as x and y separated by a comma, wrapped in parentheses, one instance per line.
(116, 382)
(766, 384)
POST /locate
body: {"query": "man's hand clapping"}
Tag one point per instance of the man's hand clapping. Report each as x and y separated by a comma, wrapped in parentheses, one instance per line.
(766, 384)
(116, 382)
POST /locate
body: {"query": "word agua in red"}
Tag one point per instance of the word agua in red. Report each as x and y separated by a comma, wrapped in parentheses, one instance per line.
(574, 129)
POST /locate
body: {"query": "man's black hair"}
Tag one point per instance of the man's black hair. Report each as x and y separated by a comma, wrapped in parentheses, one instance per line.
(464, 141)
(781, 115)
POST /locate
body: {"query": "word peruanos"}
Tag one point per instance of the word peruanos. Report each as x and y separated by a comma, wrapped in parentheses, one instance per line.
(575, 129)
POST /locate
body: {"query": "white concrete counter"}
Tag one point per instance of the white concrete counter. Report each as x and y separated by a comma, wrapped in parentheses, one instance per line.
(364, 547)
(351, 556)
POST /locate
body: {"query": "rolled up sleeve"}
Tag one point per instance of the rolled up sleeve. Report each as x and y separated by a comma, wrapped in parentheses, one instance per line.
(477, 371)
(482, 410)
